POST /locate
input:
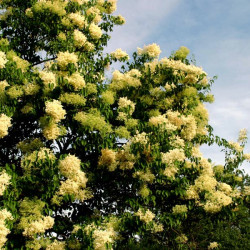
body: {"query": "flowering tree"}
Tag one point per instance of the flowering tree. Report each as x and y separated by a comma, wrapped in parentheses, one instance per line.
(89, 163)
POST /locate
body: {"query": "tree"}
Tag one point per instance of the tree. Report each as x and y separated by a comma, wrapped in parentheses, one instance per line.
(92, 163)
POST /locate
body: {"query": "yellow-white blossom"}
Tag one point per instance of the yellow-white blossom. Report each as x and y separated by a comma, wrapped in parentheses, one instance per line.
(51, 131)
(20, 63)
(181, 239)
(153, 50)
(242, 135)
(79, 38)
(70, 165)
(205, 183)
(179, 209)
(56, 245)
(42, 154)
(146, 217)
(39, 226)
(146, 176)
(213, 245)
(3, 59)
(95, 31)
(4, 231)
(31, 88)
(3, 85)
(189, 130)
(64, 58)
(225, 188)
(172, 156)
(124, 102)
(140, 138)
(236, 146)
(163, 122)
(48, 78)
(55, 110)
(112, 6)
(216, 200)
(108, 159)
(96, 14)
(4, 125)
(4, 182)
(119, 54)
(76, 80)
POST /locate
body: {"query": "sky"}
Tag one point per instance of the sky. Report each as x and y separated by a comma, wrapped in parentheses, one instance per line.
(217, 33)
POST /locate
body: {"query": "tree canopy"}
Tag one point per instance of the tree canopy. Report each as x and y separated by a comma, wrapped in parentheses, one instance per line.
(88, 162)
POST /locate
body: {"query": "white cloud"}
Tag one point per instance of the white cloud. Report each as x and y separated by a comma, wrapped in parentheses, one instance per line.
(142, 18)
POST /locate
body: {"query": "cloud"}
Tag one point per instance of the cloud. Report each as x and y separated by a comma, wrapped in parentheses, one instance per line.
(142, 18)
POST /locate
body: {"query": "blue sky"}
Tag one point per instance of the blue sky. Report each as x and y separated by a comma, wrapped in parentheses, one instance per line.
(217, 33)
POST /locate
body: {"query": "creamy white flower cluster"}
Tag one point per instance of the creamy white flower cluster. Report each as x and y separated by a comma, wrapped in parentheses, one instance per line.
(5, 123)
(76, 181)
(4, 231)
(4, 182)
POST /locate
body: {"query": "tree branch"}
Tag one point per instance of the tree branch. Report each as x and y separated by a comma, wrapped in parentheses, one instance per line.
(44, 61)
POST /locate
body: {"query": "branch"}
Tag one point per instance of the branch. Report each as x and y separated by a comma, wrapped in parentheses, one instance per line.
(46, 60)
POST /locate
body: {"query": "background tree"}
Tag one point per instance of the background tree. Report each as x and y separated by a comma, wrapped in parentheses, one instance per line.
(93, 163)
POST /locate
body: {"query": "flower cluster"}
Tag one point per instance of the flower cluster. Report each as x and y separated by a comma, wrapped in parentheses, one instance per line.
(32, 222)
(93, 121)
(242, 135)
(76, 80)
(213, 245)
(95, 31)
(119, 55)
(72, 99)
(104, 234)
(146, 217)
(146, 176)
(4, 182)
(76, 181)
(64, 58)
(3, 59)
(49, 80)
(125, 103)
(236, 146)
(108, 159)
(76, 18)
(181, 239)
(179, 209)
(152, 50)
(122, 81)
(4, 215)
(108, 97)
(4, 125)
(56, 7)
(191, 70)
(56, 113)
(3, 85)
(29, 161)
(216, 200)
(20, 63)
(55, 110)
(39, 226)
(79, 38)
(182, 52)
(163, 122)
(95, 12)
(170, 158)
(140, 138)
(56, 245)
